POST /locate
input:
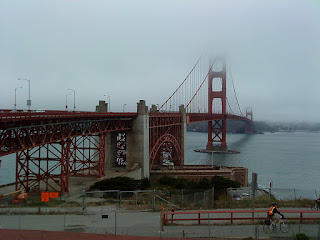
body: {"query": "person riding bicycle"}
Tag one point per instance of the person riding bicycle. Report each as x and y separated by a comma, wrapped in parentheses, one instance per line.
(318, 202)
(273, 210)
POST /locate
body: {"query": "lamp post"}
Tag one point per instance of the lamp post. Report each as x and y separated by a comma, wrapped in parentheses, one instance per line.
(15, 97)
(29, 100)
(123, 107)
(109, 102)
(67, 101)
(74, 99)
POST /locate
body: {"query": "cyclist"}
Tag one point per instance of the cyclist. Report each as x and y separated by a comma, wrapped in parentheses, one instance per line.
(318, 202)
(273, 210)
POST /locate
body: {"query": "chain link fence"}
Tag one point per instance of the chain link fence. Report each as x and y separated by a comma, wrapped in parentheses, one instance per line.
(196, 199)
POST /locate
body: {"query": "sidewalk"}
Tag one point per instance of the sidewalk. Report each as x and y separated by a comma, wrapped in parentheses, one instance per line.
(142, 224)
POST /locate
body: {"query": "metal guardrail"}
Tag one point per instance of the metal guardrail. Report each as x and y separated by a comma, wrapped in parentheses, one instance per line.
(168, 216)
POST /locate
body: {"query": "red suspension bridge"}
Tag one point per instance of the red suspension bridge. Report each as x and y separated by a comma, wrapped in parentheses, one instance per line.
(52, 146)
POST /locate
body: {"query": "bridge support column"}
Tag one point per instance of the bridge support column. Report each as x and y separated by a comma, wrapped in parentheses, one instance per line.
(111, 149)
(138, 141)
(217, 129)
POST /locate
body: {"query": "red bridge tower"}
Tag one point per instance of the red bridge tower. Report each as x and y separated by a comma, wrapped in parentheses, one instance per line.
(217, 128)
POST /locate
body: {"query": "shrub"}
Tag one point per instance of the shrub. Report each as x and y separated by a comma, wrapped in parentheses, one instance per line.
(117, 183)
(301, 236)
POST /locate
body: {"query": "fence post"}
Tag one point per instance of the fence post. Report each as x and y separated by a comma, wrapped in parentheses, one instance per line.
(301, 217)
(182, 199)
(231, 217)
(64, 220)
(19, 219)
(299, 224)
(136, 192)
(119, 199)
(154, 199)
(254, 187)
(209, 224)
(162, 221)
(198, 218)
(115, 223)
(212, 198)
(83, 201)
(257, 231)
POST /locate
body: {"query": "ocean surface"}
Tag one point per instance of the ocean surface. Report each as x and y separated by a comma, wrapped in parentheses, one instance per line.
(289, 160)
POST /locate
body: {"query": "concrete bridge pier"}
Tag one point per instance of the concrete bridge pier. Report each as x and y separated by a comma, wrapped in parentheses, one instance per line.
(138, 141)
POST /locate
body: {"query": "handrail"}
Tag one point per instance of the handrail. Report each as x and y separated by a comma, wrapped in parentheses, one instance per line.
(170, 214)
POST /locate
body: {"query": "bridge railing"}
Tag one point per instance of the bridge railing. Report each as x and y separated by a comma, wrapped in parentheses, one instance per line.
(8, 115)
(196, 217)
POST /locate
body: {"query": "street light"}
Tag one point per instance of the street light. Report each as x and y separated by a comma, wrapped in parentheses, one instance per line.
(15, 97)
(123, 107)
(29, 100)
(109, 101)
(74, 99)
(67, 101)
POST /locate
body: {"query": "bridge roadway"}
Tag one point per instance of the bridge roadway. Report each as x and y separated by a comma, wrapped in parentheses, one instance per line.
(141, 224)
(21, 130)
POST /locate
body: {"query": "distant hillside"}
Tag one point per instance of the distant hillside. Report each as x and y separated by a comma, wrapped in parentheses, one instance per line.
(232, 126)
(295, 127)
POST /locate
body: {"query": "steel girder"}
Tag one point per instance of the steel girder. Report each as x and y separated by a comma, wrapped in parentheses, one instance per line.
(45, 167)
(49, 167)
(87, 156)
(21, 138)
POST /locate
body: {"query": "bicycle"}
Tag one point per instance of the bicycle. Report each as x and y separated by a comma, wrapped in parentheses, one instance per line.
(284, 227)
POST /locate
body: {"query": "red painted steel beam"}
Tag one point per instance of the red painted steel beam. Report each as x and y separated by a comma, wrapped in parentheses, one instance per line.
(24, 137)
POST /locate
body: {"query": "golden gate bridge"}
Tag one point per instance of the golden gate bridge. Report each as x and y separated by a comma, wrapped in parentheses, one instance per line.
(52, 146)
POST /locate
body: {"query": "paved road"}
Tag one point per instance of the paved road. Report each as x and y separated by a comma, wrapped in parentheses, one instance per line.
(140, 224)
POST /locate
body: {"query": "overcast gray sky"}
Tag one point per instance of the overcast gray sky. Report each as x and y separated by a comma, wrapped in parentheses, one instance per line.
(132, 50)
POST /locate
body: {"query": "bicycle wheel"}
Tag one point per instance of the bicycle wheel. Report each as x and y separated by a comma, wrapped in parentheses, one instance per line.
(284, 227)
(268, 228)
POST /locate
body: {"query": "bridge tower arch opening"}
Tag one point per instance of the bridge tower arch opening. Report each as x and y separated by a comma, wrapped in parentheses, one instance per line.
(217, 129)
(166, 150)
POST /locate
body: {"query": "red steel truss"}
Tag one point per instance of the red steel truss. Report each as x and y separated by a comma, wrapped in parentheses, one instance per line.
(87, 156)
(45, 167)
(48, 167)
(20, 132)
(165, 139)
